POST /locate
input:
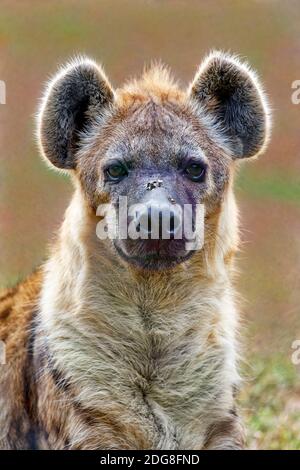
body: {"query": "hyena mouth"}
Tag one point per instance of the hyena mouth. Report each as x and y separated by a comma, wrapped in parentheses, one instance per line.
(163, 258)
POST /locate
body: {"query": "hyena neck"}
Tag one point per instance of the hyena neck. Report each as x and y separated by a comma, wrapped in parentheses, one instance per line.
(97, 311)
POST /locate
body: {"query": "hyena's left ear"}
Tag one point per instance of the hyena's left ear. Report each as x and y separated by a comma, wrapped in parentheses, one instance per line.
(77, 95)
(229, 93)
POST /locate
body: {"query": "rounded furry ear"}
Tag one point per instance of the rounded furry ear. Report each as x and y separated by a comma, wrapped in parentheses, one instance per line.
(229, 93)
(76, 95)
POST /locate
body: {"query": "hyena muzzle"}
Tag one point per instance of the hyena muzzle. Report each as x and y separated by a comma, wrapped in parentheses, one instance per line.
(130, 342)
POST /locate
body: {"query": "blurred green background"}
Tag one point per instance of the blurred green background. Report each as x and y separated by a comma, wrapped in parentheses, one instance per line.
(36, 36)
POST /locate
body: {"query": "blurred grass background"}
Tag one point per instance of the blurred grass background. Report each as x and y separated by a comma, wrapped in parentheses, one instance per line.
(36, 36)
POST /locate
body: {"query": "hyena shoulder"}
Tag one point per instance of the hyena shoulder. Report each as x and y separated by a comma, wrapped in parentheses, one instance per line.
(17, 309)
(17, 305)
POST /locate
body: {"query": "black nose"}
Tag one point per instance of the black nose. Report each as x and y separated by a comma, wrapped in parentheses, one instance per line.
(160, 222)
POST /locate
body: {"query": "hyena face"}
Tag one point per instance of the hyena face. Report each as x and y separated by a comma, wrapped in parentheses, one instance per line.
(155, 159)
(168, 151)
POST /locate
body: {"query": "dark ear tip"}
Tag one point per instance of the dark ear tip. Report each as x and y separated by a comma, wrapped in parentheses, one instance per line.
(221, 64)
(84, 65)
(76, 66)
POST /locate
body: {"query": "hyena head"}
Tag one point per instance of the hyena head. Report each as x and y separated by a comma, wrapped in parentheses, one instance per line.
(162, 148)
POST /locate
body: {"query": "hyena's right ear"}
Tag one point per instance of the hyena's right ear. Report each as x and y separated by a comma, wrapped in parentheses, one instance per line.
(78, 94)
(230, 95)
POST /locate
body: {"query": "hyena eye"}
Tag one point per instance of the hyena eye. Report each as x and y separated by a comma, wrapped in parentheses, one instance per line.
(195, 171)
(116, 172)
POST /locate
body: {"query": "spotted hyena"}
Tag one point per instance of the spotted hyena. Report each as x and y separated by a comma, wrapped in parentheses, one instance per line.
(130, 343)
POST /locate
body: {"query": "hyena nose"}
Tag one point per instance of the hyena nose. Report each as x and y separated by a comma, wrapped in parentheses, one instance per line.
(159, 222)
